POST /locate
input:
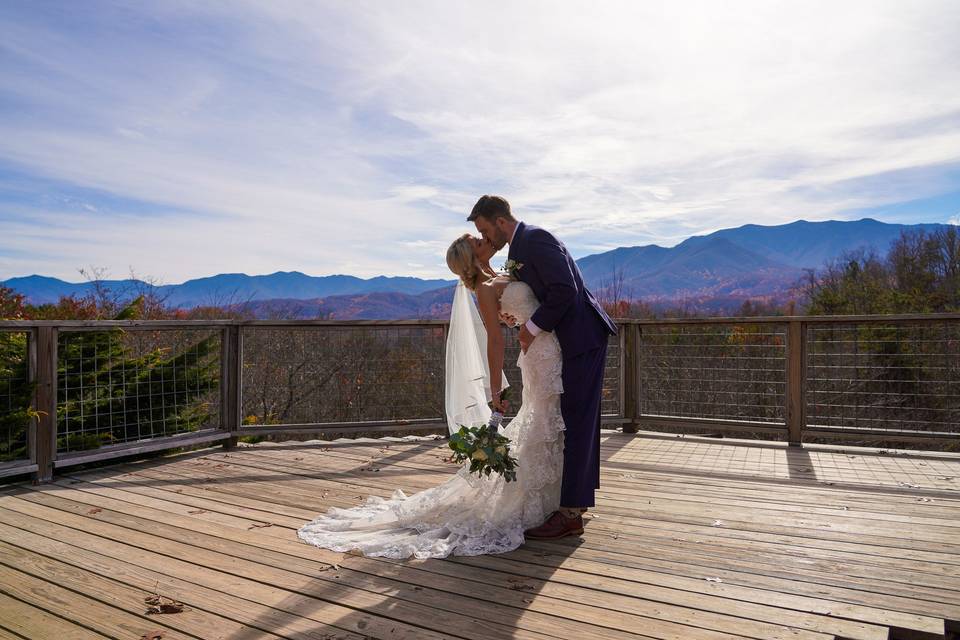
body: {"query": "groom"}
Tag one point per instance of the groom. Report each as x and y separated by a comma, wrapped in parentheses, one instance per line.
(582, 329)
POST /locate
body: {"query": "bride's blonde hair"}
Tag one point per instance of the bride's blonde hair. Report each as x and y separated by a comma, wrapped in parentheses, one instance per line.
(461, 260)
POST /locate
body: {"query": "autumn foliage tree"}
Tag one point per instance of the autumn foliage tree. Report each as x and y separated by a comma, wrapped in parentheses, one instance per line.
(919, 274)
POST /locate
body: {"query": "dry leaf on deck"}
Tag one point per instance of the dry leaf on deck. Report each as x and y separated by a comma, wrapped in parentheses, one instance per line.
(520, 584)
(161, 604)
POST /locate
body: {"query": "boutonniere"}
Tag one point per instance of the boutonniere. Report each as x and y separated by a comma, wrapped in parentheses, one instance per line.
(512, 267)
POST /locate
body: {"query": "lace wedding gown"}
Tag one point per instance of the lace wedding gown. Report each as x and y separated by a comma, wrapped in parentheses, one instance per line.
(469, 515)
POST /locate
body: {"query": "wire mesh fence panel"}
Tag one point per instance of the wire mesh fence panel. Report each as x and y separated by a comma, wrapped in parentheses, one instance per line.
(719, 371)
(899, 378)
(117, 386)
(610, 400)
(336, 374)
(364, 373)
(511, 354)
(15, 396)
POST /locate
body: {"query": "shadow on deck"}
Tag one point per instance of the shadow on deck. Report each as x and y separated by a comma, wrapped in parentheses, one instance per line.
(691, 539)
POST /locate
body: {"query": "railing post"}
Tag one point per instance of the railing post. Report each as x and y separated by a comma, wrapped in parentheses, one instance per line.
(231, 381)
(32, 380)
(796, 387)
(43, 443)
(630, 361)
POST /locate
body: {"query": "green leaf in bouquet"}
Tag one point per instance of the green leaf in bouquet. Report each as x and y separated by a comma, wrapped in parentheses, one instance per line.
(485, 451)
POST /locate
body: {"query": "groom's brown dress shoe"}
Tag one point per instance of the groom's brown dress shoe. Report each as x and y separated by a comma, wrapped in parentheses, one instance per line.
(556, 526)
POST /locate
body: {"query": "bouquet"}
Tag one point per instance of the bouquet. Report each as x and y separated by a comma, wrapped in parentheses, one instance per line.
(485, 448)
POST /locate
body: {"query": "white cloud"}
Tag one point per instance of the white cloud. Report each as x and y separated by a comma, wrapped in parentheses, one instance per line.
(355, 137)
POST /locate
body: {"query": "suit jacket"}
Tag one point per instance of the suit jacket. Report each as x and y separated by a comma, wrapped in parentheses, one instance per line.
(566, 306)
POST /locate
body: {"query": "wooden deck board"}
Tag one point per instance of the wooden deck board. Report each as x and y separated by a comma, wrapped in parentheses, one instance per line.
(99, 605)
(29, 621)
(690, 539)
(5, 634)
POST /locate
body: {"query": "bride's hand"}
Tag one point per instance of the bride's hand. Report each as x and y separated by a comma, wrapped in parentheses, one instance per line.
(500, 405)
(508, 319)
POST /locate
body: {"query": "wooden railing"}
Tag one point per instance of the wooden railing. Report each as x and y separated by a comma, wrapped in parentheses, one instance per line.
(890, 377)
(100, 390)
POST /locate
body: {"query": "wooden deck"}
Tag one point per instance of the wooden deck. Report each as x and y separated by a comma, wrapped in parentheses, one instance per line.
(691, 539)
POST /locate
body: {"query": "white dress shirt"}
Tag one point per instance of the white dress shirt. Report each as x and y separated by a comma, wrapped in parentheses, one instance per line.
(531, 327)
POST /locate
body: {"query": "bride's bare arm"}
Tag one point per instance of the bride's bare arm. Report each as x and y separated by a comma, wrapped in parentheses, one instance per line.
(490, 314)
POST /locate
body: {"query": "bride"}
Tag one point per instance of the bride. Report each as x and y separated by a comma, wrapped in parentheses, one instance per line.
(469, 514)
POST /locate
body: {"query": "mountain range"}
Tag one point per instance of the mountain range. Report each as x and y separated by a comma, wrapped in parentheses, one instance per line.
(721, 269)
(229, 288)
(748, 261)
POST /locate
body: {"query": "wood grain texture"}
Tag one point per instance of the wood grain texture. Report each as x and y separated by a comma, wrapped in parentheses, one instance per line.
(690, 539)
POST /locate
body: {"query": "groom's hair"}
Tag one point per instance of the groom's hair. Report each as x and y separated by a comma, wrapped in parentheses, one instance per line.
(491, 208)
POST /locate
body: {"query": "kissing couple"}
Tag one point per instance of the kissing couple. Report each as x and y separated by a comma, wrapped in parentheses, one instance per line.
(555, 435)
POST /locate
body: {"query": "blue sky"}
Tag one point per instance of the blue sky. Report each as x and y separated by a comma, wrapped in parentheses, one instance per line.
(183, 139)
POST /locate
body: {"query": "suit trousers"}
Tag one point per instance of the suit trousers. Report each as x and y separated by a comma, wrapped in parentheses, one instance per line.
(580, 407)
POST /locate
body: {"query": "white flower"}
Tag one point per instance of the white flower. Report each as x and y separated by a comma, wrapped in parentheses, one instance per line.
(512, 267)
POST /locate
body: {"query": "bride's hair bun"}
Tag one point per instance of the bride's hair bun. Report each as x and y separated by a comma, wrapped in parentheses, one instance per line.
(461, 261)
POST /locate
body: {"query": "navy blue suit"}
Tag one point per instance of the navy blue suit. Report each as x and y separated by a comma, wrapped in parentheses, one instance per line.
(582, 328)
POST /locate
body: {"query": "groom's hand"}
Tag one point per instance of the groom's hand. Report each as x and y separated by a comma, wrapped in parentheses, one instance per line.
(526, 338)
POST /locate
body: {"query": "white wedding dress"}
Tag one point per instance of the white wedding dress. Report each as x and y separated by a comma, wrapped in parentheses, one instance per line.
(470, 515)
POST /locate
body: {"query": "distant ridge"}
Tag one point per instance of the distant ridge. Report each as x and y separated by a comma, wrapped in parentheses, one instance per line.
(228, 288)
(717, 270)
(751, 260)
(810, 244)
(364, 306)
